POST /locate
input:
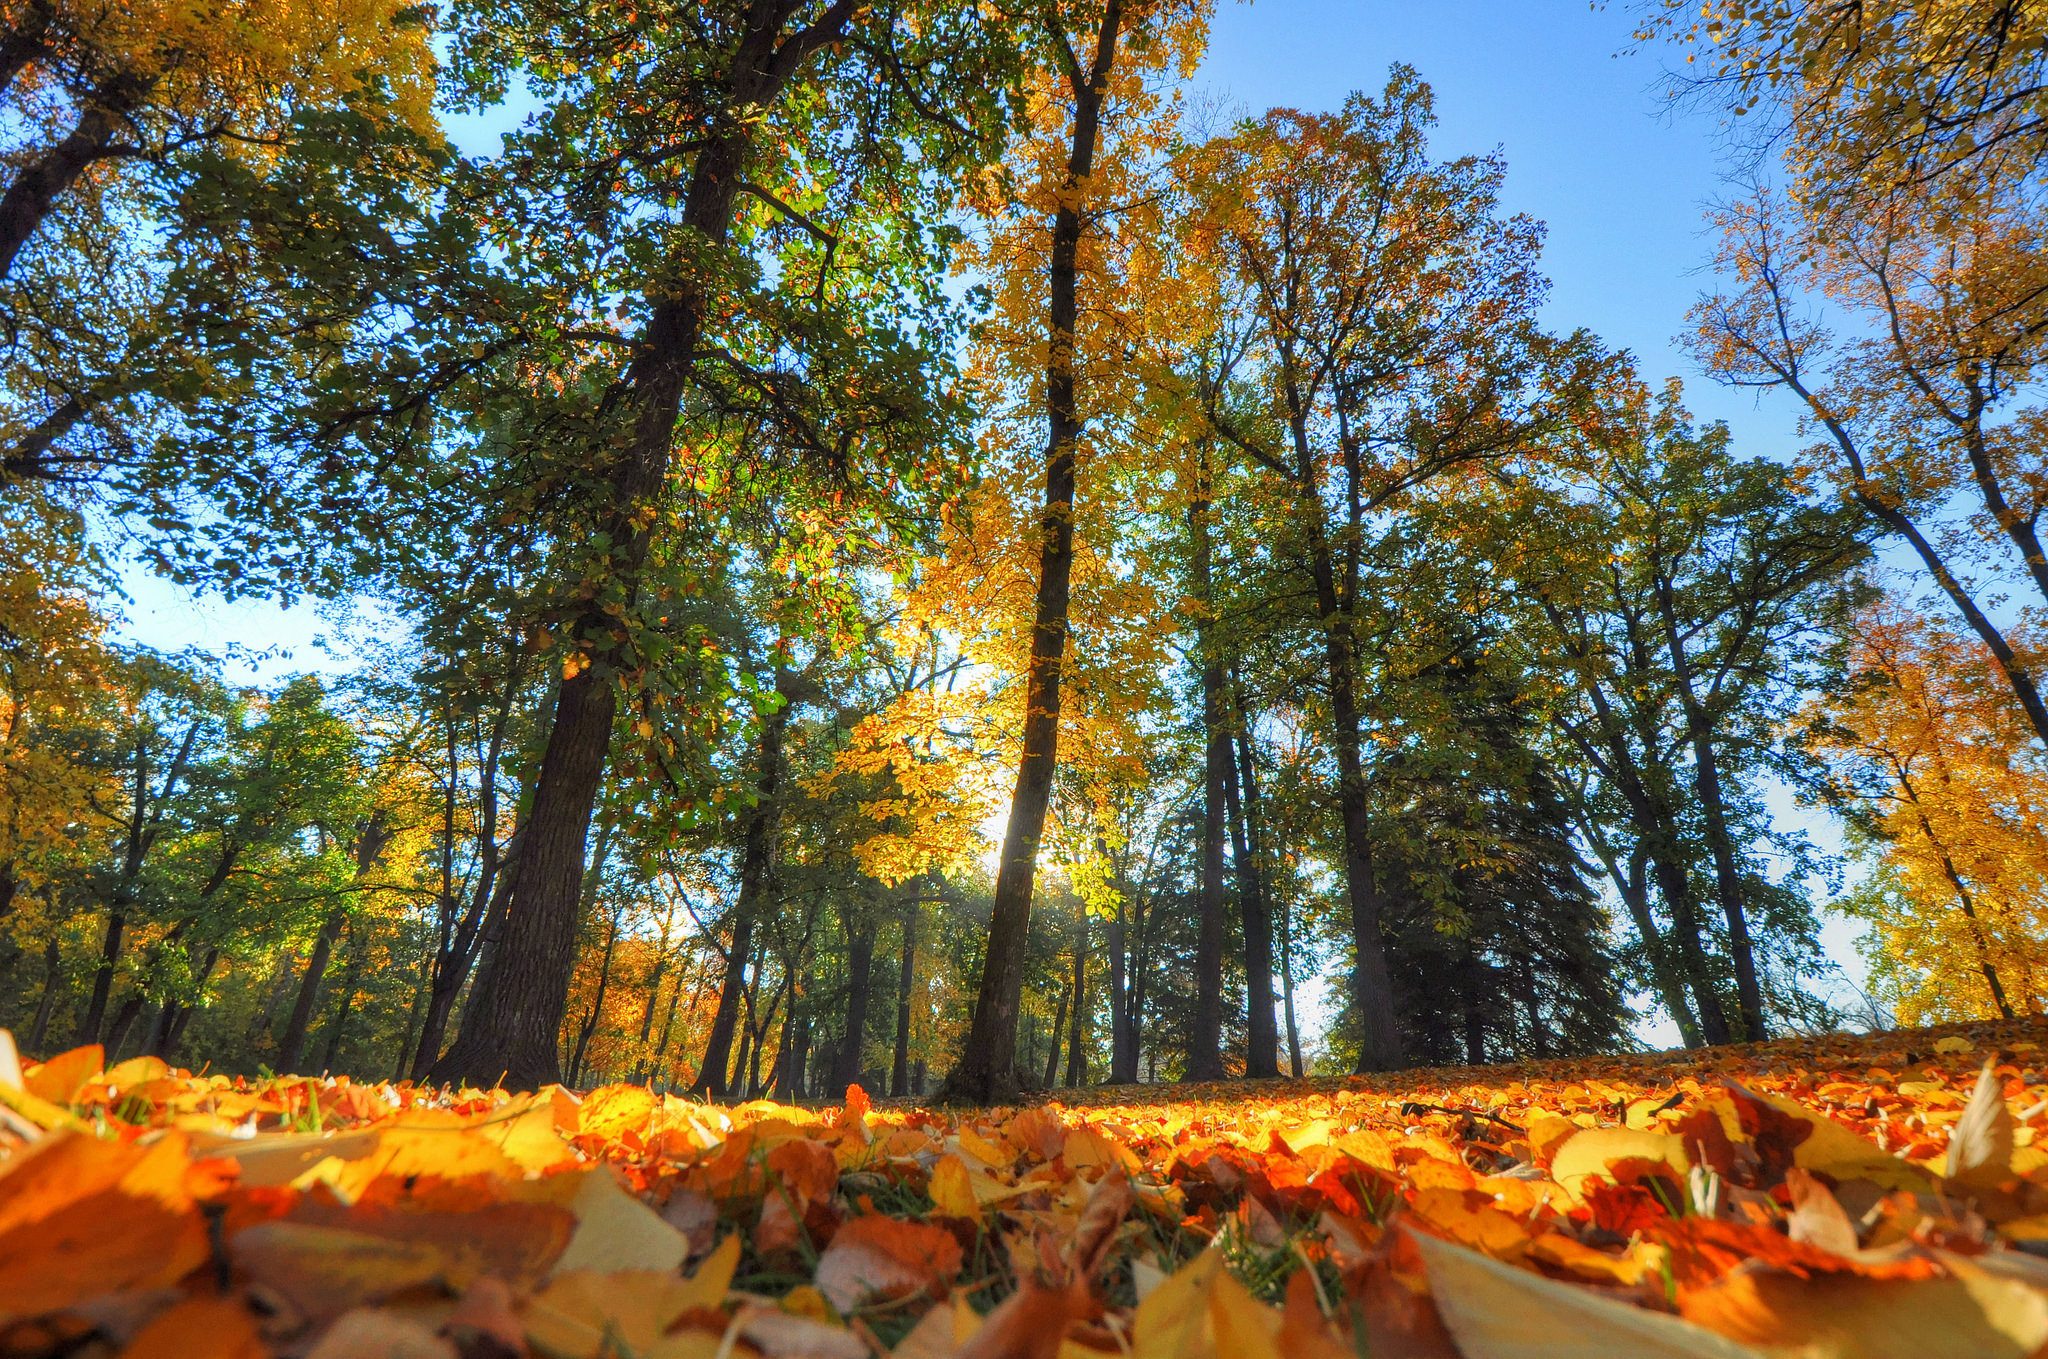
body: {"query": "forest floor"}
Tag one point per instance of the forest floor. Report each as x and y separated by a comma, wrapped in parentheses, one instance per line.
(1840, 1195)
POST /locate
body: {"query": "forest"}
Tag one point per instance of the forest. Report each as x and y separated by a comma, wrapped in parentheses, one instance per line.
(899, 544)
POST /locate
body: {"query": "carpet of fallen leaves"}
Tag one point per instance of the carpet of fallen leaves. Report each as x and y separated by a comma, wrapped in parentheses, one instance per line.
(1840, 1196)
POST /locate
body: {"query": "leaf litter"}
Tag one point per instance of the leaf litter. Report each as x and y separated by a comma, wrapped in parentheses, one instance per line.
(1880, 1195)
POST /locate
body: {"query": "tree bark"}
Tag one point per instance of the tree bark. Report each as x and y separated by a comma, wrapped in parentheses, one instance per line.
(337, 1028)
(1656, 836)
(1205, 1035)
(1707, 787)
(757, 870)
(39, 183)
(1123, 1058)
(1052, 1051)
(1262, 1040)
(986, 1072)
(292, 1046)
(53, 972)
(1077, 1031)
(517, 1023)
(1287, 992)
(906, 974)
(860, 967)
(604, 981)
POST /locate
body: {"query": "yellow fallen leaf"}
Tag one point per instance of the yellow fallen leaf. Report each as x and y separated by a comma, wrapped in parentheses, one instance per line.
(616, 1231)
(1173, 1322)
(1954, 1043)
(960, 1192)
(1590, 1151)
(1497, 1311)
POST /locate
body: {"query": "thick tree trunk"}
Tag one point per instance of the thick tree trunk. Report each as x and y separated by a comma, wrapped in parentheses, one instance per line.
(1707, 787)
(518, 1019)
(40, 182)
(757, 870)
(1262, 1040)
(860, 968)
(986, 1072)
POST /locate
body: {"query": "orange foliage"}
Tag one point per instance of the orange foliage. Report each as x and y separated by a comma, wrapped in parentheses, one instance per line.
(1851, 1194)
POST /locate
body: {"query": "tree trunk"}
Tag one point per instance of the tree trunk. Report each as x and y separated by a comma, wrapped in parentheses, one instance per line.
(1052, 1049)
(177, 1018)
(1123, 1057)
(1634, 892)
(124, 1019)
(860, 960)
(1707, 786)
(1205, 1036)
(38, 184)
(757, 868)
(292, 1046)
(604, 981)
(657, 1065)
(1262, 1041)
(344, 1003)
(1656, 836)
(906, 974)
(986, 1072)
(53, 973)
(1372, 986)
(518, 1019)
(1077, 1033)
(1287, 992)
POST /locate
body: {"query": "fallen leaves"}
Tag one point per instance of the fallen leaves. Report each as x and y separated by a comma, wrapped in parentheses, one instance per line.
(1836, 1198)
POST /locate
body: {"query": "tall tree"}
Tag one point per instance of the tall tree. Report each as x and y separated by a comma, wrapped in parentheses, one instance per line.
(721, 111)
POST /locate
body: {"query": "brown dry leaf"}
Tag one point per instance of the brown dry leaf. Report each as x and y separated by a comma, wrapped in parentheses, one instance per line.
(325, 1271)
(1817, 1217)
(884, 1257)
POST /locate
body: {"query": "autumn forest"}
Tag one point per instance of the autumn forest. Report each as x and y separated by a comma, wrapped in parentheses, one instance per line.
(899, 544)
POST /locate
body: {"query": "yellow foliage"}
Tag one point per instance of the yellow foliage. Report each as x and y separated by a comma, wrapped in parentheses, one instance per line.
(1929, 740)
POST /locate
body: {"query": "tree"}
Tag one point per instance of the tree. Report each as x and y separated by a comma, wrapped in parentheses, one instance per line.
(1090, 93)
(1394, 343)
(1941, 782)
(725, 111)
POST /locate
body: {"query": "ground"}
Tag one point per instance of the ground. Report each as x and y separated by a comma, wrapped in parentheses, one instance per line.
(1841, 1195)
